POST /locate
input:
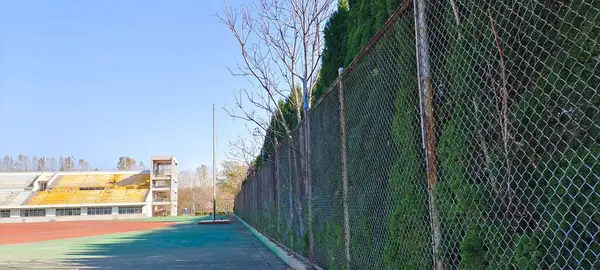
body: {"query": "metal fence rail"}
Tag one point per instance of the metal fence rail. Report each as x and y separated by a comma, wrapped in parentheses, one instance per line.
(465, 135)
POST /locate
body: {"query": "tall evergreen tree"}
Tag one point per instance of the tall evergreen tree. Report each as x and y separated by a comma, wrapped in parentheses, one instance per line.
(347, 32)
(334, 52)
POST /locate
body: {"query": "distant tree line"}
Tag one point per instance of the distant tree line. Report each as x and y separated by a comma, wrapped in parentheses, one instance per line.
(24, 163)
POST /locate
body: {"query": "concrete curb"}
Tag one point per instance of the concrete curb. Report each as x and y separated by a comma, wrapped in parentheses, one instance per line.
(292, 259)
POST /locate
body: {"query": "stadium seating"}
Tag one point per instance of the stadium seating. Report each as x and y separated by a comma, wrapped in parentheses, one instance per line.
(38, 198)
(125, 195)
(132, 179)
(15, 188)
(85, 196)
(95, 188)
(21, 198)
(82, 180)
(58, 197)
(7, 197)
(16, 181)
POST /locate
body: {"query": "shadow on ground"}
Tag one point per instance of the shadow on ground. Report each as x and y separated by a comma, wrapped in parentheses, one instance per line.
(185, 245)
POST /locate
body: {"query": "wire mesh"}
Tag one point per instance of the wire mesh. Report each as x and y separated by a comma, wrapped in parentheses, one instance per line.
(517, 124)
(516, 143)
(328, 216)
(388, 189)
(283, 181)
(299, 194)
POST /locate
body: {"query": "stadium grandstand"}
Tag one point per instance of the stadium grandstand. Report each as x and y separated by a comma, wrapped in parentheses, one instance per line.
(93, 195)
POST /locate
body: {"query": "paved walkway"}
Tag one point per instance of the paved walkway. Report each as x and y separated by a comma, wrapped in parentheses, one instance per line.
(182, 246)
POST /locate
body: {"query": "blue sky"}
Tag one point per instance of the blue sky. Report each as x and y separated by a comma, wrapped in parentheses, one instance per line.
(83, 78)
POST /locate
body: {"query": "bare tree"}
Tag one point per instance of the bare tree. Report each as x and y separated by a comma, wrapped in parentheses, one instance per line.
(185, 191)
(194, 185)
(34, 163)
(52, 164)
(200, 185)
(61, 163)
(41, 164)
(22, 163)
(8, 164)
(203, 174)
(83, 165)
(126, 163)
(243, 149)
(194, 191)
(281, 43)
(67, 164)
(27, 164)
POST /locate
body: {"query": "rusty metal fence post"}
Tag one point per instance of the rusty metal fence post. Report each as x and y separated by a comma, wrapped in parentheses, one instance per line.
(427, 121)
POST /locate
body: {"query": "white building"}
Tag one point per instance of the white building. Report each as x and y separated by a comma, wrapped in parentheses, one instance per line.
(64, 196)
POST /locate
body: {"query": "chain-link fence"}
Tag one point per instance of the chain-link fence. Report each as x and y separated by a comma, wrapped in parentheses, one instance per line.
(466, 135)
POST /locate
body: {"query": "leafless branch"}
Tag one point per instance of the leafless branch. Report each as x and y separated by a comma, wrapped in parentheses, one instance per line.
(280, 44)
(244, 149)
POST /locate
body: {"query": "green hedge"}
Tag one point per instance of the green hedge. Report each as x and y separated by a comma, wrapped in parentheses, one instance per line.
(529, 207)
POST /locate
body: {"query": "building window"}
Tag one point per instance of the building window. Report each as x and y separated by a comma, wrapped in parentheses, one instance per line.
(99, 211)
(160, 184)
(43, 186)
(68, 211)
(33, 213)
(130, 210)
(4, 213)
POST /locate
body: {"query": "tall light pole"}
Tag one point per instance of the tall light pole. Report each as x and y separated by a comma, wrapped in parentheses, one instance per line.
(214, 164)
(214, 220)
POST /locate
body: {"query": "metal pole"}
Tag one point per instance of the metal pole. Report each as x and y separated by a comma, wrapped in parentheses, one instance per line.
(345, 175)
(214, 164)
(427, 123)
(308, 173)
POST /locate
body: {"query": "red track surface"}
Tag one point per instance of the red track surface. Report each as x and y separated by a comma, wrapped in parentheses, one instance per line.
(15, 233)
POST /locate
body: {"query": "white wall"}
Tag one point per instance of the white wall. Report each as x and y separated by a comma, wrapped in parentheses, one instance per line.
(15, 215)
(70, 218)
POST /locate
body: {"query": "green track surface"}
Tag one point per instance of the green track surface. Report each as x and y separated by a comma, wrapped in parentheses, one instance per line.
(185, 245)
